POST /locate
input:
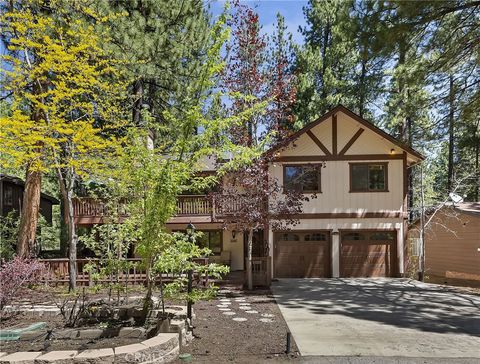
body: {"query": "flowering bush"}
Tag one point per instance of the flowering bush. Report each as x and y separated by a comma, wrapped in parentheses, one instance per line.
(17, 273)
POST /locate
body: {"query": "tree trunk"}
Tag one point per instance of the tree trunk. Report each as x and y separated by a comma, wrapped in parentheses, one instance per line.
(451, 133)
(477, 170)
(29, 215)
(66, 190)
(362, 87)
(138, 102)
(249, 260)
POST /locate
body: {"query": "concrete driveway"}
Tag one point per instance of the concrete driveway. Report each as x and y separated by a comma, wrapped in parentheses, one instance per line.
(379, 317)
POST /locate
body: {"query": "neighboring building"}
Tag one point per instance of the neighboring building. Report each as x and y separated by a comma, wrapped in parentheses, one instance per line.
(11, 197)
(452, 242)
(357, 225)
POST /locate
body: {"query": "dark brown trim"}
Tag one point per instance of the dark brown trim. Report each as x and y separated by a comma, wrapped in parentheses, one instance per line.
(334, 134)
(352, 140)
(385, 164)
(318, 142)
(356, 157)
(319, 175)
(354, 116)
(345, 215)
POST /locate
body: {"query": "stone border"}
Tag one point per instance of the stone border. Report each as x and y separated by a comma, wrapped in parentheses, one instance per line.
(162, 348)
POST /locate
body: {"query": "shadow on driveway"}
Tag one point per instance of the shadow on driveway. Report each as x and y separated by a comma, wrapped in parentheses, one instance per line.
(401, 303)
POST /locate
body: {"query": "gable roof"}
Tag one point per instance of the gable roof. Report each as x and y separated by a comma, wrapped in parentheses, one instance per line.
(354, 116)
(20, 182)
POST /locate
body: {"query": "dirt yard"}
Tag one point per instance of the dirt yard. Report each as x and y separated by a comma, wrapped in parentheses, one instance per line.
(239, 327)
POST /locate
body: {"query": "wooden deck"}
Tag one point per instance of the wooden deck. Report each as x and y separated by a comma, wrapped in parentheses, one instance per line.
(195, 208)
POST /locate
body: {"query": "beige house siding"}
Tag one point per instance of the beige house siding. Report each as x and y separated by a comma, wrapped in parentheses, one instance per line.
(335, 183)
(353, 146)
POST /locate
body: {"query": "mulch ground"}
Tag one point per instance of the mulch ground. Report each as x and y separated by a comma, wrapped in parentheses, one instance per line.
(223, 337)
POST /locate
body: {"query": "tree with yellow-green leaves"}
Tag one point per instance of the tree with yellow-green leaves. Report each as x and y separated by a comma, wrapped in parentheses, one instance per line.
(65, 93)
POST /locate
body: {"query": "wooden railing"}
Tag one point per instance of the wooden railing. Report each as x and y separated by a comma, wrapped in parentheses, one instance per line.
(133, 275)
(91, 210)
(194, 205)
(96, 211)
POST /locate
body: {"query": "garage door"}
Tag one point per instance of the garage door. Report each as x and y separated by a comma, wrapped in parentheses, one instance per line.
(302, 254)
(368, 254)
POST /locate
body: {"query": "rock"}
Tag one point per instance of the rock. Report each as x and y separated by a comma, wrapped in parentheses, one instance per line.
(135, 332)
(66, 334)
(33, 335)
(135, 312)
(90, 333)
(95, 356)
(57, 357)
(21, 357)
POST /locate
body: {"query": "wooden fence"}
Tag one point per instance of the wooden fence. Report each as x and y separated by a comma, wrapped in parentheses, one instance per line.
(132, 274)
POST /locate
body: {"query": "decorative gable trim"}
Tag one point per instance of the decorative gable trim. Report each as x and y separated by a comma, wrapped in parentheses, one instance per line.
(318, 142)
(352, 140)
(332, 113)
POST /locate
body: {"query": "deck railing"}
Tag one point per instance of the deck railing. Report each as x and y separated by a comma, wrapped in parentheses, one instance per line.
(194, 205)
(94, 211)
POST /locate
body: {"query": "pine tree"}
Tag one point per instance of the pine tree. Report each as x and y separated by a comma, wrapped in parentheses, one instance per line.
(325, 64)
(163, 45)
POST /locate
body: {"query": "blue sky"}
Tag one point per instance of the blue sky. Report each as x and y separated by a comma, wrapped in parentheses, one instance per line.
(268, 9)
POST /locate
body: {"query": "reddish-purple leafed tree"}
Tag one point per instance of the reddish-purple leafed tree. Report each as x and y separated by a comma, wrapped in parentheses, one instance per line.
(251, 200)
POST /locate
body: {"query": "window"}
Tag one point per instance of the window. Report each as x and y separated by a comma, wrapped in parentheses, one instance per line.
(304, 178)
(383, 235)
(212, 239)
(368, 177)
(315, 237)
(290, 237)
(8, 195)
(353, 236)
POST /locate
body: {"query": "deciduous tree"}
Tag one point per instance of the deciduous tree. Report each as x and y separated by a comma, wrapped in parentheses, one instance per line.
(64, 106)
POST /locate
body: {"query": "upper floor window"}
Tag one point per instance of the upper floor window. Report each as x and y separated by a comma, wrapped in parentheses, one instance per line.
(302, 177)
(368, 177)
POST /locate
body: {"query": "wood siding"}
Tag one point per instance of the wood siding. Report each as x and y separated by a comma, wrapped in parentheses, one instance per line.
(452, 245)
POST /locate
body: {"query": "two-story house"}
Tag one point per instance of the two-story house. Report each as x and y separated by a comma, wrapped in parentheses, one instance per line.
(355, 227)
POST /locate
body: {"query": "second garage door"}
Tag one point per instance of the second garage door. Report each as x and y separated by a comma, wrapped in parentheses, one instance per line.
(368, 254)
(302, 254)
